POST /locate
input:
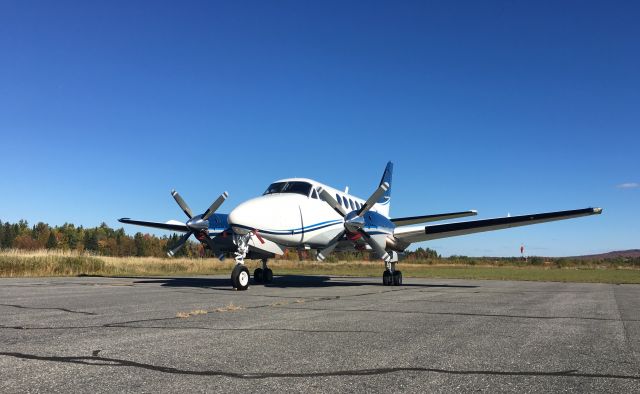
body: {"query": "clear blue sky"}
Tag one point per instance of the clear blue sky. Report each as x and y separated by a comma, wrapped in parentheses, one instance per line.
(504, 107)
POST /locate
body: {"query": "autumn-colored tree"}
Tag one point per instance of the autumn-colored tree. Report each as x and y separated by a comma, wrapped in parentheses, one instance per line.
(25, 242)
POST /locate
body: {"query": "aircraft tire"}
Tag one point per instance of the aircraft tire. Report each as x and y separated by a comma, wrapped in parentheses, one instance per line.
(386, 278)
(397, 278)
(258, 275)
(268, 275)
(240, 277)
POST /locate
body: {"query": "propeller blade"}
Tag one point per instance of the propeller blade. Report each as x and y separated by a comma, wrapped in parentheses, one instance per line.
(209, 243)
(374, 198)
(182, 204)
(214, 207)
(324, 253)
(181, 243)
(375, 245)
(328, 198)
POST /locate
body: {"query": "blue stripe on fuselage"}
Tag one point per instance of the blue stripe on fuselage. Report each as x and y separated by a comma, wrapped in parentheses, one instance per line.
(305, 229)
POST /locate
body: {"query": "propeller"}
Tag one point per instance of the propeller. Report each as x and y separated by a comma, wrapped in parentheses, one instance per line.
(198, 225)
(354, 223)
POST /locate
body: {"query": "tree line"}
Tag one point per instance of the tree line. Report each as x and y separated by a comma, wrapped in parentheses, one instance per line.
(106, 241)
(102, 240)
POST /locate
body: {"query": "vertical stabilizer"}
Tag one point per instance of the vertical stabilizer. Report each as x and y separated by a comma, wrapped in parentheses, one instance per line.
(383, 204)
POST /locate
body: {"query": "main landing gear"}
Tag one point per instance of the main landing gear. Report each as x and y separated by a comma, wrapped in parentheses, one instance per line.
(391, 277)
(264, 274)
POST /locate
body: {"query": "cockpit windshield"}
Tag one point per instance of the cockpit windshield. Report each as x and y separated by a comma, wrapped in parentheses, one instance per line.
(275, 188)
(289, 187)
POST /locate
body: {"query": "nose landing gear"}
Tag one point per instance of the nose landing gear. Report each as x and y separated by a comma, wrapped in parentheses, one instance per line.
(240, 273)
(240, 277)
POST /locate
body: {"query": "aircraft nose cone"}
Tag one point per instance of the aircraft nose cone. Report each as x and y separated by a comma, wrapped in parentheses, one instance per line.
(273, 217)
(247, 216)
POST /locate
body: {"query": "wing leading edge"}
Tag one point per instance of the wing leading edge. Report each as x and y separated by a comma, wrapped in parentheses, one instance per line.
(418, 234)
(172, 225)
(431, 218)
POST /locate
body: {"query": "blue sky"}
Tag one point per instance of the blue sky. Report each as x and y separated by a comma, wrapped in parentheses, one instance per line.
(504, 107)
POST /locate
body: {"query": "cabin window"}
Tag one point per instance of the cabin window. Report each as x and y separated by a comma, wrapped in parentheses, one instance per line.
(338, 199)
(351, 203)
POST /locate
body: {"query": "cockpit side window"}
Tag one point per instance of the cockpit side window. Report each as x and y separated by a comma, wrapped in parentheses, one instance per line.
(314, 193)
(275, 188)
(297, 187)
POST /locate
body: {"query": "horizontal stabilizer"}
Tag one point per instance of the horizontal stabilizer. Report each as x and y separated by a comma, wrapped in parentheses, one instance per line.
(418, 234)
(172, 225)
(432, 218)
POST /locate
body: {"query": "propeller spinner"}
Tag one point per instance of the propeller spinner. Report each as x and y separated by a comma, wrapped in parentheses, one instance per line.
(355, 223)
(198, 225)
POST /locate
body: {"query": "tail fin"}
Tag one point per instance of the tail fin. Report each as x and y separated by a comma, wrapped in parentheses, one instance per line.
(384, 202)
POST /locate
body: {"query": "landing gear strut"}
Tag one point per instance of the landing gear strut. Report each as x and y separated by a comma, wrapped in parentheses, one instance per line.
(240, 273)
(391, 277)
(264, 274)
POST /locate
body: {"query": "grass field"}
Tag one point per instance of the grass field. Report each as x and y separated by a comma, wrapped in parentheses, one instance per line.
(57, 263)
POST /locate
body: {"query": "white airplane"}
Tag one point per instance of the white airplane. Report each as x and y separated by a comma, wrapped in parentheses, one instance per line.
(300, 213)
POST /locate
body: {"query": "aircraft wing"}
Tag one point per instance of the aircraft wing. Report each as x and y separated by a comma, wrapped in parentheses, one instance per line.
(431, 218)
(425, 233)
(172, 225)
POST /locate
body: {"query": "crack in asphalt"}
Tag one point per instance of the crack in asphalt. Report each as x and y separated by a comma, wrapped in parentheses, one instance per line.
(625, 328)
(96, 360)
(45, 308)
(131, 324)
(461, 314)
(115, 325)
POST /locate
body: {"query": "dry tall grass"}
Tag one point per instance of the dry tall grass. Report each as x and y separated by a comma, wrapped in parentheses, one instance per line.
(18, 263)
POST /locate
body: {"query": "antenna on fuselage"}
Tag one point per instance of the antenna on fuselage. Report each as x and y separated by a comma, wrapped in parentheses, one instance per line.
(346, 190)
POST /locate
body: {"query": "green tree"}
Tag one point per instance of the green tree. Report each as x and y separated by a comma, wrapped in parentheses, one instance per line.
(52, 241)
(91, 240)
(141, 246)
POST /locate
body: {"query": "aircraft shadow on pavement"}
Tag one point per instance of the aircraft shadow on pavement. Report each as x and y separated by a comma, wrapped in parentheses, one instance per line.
(287, 281)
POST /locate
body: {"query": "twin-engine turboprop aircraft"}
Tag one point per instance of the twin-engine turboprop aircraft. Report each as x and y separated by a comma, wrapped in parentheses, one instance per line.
(300, 213)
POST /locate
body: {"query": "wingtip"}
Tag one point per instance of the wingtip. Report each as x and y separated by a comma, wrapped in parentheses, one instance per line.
(597, 211)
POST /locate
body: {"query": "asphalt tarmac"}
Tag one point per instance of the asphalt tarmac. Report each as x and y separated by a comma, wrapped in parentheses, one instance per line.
(318, 334)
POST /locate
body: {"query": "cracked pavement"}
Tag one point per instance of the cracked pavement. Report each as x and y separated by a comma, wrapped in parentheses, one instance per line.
(316, 333)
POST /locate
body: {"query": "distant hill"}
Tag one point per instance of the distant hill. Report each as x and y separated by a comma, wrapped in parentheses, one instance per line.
(631, 253)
